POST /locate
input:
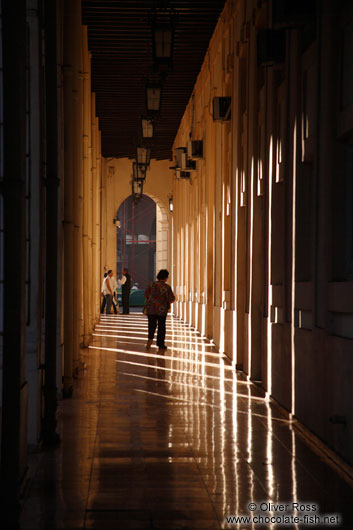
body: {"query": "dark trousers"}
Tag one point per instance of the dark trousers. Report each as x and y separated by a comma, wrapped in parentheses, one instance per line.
(109, 301)
(152, 324)
(125, 293)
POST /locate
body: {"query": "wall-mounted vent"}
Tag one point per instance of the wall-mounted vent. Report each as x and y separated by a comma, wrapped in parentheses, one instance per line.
(180, 174)
(179, 151)
(222, 109)
(271, 47)
(195, 149)
(186, 163)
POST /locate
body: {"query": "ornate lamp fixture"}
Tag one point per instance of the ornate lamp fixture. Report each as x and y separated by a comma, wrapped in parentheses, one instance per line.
(147, 127)
(137, 188)
(162, 43)
(163, 26)
(171, 205)
(143, 155)
(153, 97)
(139, 171)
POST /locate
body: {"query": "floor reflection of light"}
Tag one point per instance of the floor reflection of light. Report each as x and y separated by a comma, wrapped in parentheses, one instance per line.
(143, 354)
(118, 336)
(294, 470)
(142, 325)
(144, 333)
(234, 459)
(269, 456)
(250, 446)
(223, 427)
(139, 321)
(174, 348)
(125, 331)
(174, 370)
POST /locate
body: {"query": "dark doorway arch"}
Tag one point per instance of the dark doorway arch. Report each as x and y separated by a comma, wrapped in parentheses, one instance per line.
(136, 240)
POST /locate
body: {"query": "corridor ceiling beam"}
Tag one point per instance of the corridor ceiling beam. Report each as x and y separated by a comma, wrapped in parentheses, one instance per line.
(120, 40)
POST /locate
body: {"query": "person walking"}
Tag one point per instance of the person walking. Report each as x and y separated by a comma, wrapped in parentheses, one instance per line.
(108, 291)
(125, 283)
(159, 296)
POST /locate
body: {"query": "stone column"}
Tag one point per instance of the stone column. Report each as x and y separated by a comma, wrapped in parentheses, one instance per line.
(34, 335)
(52, 243)
(13, 189)
(86, 190)
(77, 201)
(68, 226)
(94, 282)
(90, 204)
(77, 182)
(162, 227)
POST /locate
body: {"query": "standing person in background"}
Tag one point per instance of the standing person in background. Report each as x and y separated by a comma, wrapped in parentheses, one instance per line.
(114, 286)
(125, 283)
(158, 297)
(103, 295)
(108, 291)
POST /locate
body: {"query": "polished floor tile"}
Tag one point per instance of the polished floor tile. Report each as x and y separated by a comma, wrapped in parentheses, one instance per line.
(175, 440)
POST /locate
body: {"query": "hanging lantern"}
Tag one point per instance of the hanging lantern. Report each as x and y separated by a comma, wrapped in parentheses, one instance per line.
(153, 97)
(137, 188)
(139, 171)
(163, 37)
(147, 127)
(143, 155)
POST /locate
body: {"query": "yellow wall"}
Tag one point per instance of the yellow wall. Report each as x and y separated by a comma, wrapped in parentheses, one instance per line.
(203, 206)
(117, 187)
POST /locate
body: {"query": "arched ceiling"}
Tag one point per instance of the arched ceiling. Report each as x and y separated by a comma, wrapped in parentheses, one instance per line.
(120, 40)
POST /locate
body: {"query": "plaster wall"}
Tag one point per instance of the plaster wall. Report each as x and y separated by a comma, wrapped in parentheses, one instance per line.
(117, 187)
(263, 227)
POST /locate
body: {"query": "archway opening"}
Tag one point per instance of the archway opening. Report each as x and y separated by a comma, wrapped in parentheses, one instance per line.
(136, 240)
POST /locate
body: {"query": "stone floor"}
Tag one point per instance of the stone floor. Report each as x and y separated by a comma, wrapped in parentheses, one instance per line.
(176, 441)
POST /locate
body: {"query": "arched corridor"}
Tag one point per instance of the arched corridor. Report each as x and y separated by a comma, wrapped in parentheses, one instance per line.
(136, 239)
(232, 120)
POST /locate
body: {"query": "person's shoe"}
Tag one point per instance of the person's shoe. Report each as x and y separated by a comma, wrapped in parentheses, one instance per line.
(163, 347)
(149, 344)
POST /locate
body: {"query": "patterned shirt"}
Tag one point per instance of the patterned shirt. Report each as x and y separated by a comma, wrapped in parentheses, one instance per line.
(158, 296)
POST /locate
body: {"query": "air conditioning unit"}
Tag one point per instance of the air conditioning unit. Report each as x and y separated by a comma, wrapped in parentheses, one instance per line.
(195, 149)
(186, 163)
(222, 108)
(271, 47)
(180, 174)
(179, 151)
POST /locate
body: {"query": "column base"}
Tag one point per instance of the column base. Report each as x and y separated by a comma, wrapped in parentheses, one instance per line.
(87, 340)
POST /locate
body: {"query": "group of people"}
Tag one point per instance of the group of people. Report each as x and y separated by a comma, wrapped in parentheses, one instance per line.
(158, 298)
(109, 292)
